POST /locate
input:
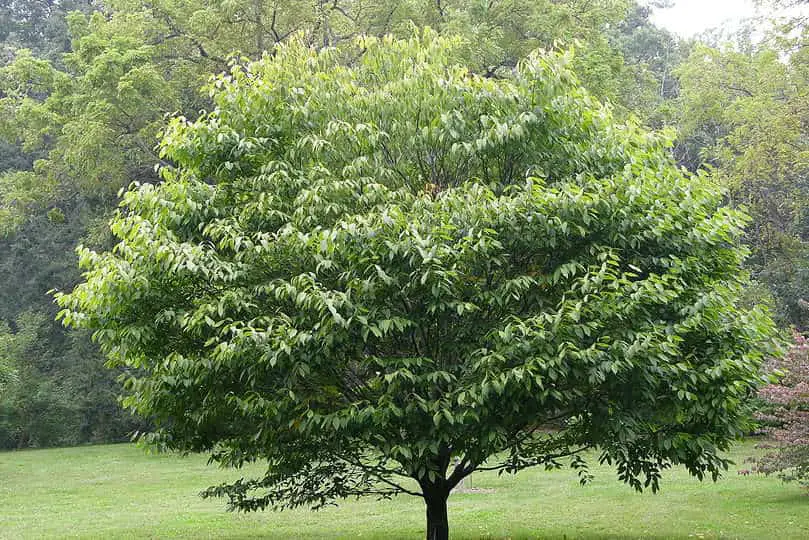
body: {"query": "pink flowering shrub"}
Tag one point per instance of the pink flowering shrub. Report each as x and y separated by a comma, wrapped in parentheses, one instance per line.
(788, 415)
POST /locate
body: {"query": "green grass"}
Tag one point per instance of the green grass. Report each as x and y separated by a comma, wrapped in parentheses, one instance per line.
(119, 491)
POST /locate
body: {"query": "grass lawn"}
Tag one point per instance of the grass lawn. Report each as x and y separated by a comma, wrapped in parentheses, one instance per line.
(118, 491)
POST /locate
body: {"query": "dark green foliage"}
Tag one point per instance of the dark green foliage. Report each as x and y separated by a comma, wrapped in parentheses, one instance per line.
(82, 96)
(60, 392)
(38, 24)
(360, 273)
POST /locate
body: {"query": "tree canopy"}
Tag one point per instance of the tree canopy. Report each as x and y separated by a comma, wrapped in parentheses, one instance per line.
(90, 116)
(378, 272)
(85, 90)
(746, 114)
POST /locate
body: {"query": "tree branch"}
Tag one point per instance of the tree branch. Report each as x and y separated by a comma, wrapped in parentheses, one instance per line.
(380, 474)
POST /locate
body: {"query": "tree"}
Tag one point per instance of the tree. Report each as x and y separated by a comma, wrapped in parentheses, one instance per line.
(55, 391)
(788, 414)
(361, 271)
(745, 113)
(83, 97)
(651, 55)
(34, 410)
(8, 371)
(93, 113)
(366, 264)
(38, 25)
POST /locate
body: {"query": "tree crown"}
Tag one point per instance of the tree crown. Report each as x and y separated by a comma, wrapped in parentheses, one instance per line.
(369, 263)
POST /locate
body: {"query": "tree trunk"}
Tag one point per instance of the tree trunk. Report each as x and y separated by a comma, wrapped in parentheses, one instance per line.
(437, 522)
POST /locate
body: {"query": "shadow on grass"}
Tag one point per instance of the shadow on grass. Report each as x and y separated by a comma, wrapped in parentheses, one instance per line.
(786, 498)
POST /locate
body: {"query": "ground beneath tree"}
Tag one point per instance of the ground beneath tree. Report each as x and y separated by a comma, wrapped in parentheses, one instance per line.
(120, 492)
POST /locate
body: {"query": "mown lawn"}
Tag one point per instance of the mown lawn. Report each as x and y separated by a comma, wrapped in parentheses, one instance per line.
(118, 491)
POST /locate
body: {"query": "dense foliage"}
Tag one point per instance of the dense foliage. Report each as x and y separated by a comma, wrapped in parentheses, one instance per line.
(84, 91)
(747, 113)
(365, 267)
(85, 86)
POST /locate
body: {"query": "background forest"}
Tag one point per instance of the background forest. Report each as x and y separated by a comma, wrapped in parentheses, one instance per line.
(85, 87)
